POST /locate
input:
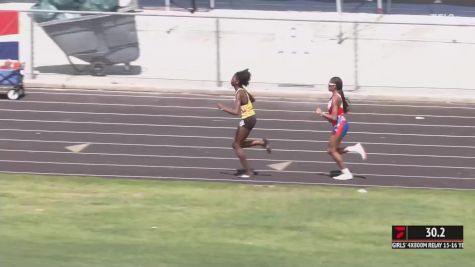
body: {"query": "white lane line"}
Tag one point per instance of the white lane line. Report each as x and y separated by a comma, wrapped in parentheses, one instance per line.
(422, 155)
(222, 127)
(116, 104)
(214, 137)
(236, 180)
(412, 115)
(415, 176)
(226, 118)
(366, 114)
(215, 98)
(82, 144)
(213, 158)
(309, 111)
(213, 168)
(204, 96)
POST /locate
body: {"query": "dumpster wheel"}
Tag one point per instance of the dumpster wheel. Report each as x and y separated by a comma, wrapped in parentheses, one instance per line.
(98, 68)
(127, 67)
(13, 94)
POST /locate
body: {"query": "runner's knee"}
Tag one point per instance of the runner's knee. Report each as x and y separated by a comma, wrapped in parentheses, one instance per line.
(236, 145)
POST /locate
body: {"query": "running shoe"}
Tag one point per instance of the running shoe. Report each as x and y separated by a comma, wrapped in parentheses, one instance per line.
(244, 176)
(241, 171)
(358, 148)
(345, 175)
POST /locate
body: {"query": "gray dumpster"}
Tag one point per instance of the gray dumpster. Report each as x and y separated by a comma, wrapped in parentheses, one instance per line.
(101, 40)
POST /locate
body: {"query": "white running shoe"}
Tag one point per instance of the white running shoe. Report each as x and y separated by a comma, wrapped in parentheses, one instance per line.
(345, 175)
(358, 148)
(244, 176)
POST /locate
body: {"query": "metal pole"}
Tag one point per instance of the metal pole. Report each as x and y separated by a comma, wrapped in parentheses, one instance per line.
(134, 4)
(379, 9)
(193, 6)
(355, 50)
(167, 5)
(218, 55)
(30, 61)
(339, 9)
(388, 7)
(338, 6)
(211, 4)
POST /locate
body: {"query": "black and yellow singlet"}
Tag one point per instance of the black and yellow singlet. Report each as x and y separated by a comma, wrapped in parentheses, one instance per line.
(247, 110)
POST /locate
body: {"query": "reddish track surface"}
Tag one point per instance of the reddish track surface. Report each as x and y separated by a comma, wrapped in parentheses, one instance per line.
(185, 137)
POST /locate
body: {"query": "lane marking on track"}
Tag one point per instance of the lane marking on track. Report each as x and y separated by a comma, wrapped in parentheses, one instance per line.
(280, 166)
(206, 168)
(82, 145)
(216, 98)
(240, 181)
(223, 127)
(76, 148)
(309, 111)
(38, 131)
(227, 118)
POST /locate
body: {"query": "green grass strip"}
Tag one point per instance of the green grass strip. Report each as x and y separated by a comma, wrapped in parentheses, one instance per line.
(79, 222)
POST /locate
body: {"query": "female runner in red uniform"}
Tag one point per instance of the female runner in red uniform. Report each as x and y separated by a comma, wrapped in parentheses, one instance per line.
(244, 108)
(337, 107)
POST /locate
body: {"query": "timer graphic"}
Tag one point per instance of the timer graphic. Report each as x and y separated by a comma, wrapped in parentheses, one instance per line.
(427, 237)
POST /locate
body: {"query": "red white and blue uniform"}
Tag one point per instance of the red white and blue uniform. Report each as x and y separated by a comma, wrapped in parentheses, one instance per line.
(340, 125)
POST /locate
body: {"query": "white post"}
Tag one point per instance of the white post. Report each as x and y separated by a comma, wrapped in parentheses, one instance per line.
(218, 55)
(29, 60)
(338, 6)
(379, 9)
(167, 5)
(339, 10)
(211, 4)
(134, 4)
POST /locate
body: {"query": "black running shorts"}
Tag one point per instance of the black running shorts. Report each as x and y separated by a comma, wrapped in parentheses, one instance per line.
(248, 122)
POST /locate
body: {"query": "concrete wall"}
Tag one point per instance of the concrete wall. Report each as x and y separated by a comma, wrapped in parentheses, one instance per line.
(284, 52)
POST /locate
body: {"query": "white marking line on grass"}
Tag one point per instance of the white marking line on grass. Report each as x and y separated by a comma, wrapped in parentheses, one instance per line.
(81, 145)
(211, 137)
(222, 127)
(238, 180)
(226, 118)
(310, 111)
(205, 168)
(216, 98)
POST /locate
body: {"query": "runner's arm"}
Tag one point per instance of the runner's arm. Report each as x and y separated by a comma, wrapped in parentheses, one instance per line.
(237, 105)
(334, 115)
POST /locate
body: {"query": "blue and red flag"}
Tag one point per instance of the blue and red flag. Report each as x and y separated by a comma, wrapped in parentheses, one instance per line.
(9, 35)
